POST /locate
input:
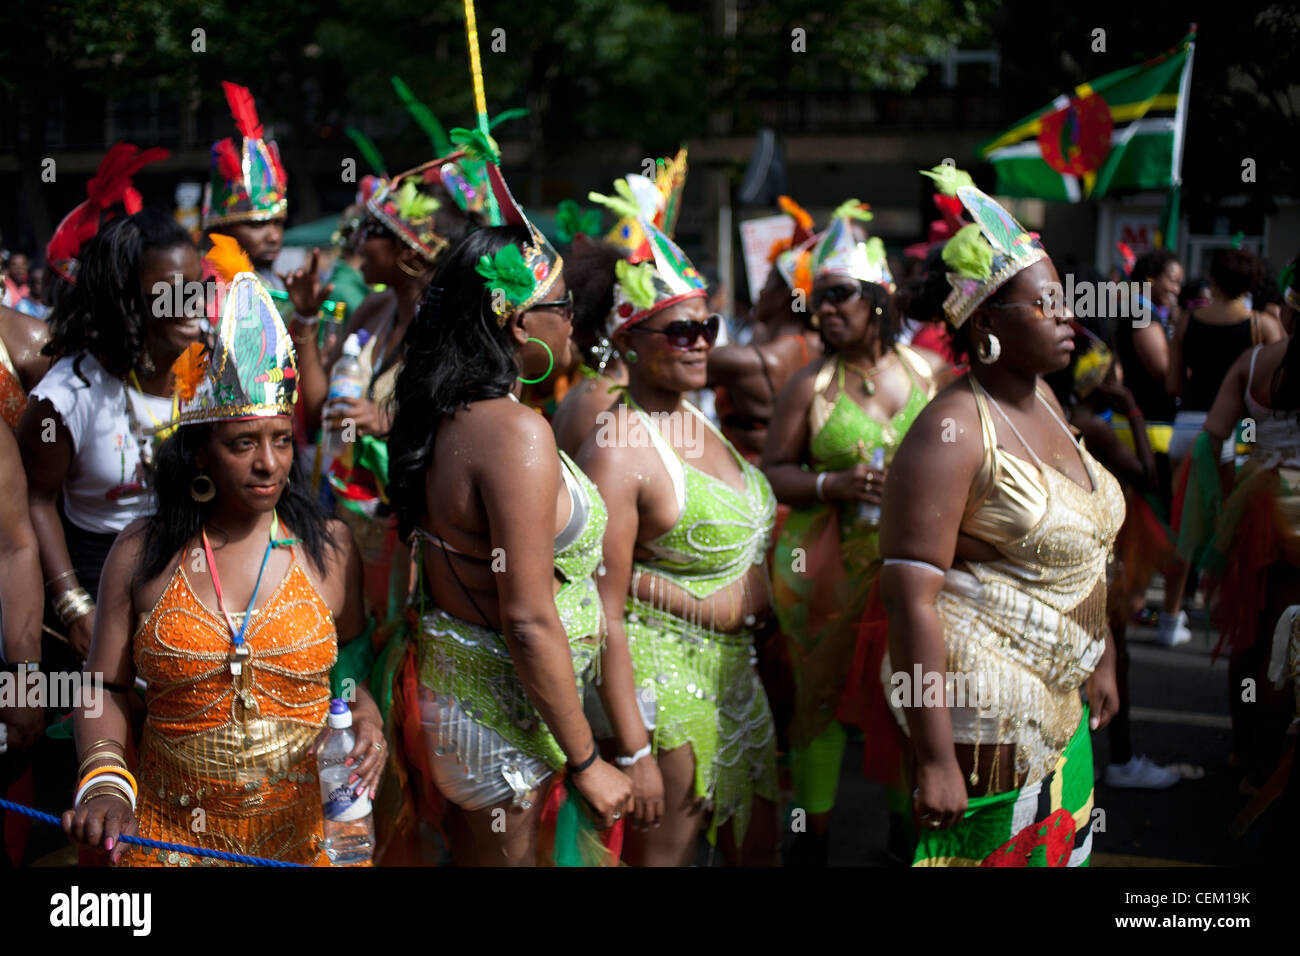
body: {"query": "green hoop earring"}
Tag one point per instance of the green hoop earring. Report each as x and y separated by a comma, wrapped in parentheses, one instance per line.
(547, 374)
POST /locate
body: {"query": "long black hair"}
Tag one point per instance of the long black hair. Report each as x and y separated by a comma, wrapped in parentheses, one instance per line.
(106, 312)
(179, 517)
(454, 353)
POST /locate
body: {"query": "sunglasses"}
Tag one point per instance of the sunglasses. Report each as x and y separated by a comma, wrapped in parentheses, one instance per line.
(565, 305)
(835, 294)
(683, 333)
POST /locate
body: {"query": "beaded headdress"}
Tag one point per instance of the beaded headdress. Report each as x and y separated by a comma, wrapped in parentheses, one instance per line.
(406, 204)
(248, 182)
(659, 274)
(251, 370)
(984, 254)
(109, 187)
(840, 252)
(517, 278)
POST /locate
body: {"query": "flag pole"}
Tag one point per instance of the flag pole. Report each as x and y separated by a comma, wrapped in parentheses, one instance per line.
(1173, 200)
(480, 97)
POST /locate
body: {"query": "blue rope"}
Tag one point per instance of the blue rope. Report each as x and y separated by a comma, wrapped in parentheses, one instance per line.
(155, 844)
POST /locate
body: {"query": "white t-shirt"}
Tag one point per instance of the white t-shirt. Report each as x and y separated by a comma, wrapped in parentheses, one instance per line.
(106, 486)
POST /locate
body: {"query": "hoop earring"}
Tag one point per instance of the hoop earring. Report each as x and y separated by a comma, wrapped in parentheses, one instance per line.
(547, 374)
(988, 351)
(630, 356)
(414, 274)
(202, 488)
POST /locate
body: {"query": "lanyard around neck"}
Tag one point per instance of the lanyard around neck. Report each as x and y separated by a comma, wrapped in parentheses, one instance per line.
(274, 542)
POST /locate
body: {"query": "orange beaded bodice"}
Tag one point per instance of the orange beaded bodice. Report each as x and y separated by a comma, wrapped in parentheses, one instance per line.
(234, 751)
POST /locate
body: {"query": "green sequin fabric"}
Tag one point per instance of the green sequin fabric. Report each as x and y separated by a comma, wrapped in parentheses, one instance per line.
(472, 664)
(707, 694)
(705, 688)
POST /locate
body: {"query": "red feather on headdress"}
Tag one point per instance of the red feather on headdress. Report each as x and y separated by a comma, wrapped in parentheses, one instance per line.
(110, 185)
(229, 165)
(243, 109)
(274, 151)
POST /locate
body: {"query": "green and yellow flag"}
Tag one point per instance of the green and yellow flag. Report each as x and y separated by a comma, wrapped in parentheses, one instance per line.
(1121, 131)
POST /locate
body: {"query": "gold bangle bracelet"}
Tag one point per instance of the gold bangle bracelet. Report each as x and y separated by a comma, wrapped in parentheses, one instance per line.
(107, 790)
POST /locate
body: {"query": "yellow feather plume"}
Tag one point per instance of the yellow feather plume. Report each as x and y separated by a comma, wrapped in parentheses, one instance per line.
(227, 257)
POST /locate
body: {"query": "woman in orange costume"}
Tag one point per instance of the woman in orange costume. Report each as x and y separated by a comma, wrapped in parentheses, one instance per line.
(235, 700)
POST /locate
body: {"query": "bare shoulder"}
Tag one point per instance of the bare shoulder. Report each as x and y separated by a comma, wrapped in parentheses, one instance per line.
(801, 383)
(947, 426)
(931, 358)
(731, 361)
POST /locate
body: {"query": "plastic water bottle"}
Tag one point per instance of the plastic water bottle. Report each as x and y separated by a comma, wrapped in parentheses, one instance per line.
(868, 514)
(347, 380)
(349, 823)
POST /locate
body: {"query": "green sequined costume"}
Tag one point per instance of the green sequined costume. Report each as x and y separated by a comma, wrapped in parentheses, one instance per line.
(471, 665)
(823, 570)
(705, 688)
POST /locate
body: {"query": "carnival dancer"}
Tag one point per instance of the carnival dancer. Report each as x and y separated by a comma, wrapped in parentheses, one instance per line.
(247, 196)
(685, 586)
(508, 536)
(996, 531)
(109, 395)
(235, 648)
(589, 274)
(835, 429)
(748, 378)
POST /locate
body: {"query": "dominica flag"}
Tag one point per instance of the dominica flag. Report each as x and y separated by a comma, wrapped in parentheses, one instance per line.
(1121, 131)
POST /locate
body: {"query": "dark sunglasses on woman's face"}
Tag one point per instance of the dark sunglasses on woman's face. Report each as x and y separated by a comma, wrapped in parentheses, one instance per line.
(565, 305)
(682, 333)
(835, 294)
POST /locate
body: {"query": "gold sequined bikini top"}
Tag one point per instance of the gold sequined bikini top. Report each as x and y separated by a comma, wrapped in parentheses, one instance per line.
(1048, 529)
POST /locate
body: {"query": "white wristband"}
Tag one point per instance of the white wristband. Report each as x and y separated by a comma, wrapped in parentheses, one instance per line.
(821, 481)
(115, 779)
(626, 762)
(306, 320)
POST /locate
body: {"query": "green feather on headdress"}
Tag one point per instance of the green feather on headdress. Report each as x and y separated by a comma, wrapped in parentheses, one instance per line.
(875, 251)
(423, 117)
(519, 112)
(570, 220)
(413, 204)
(852, 209)
(638, 282)
(947, 178)
(507, 273)
(477, 145)
(366, 146)
(968, 254)
(624, 204)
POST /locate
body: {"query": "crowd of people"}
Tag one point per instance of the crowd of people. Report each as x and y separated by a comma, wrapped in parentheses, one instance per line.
(581, 542)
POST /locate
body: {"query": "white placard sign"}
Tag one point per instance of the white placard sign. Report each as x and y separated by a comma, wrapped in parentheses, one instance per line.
(756, 238)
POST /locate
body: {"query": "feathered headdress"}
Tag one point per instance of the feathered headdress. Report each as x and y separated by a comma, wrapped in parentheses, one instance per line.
(663, 275)
(658, 201)
(251, 371)
(985, 254)
(248, 182)
(839, 252)
(518, 277)
(109, 187)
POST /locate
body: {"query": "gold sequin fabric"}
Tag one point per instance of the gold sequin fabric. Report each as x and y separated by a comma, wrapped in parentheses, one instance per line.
(1030, 627)
(226, 761)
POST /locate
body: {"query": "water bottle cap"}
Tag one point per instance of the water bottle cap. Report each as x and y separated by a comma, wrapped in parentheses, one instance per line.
(352, 344)
(340, 716)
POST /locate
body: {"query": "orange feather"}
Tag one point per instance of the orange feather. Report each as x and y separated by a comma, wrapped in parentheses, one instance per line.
(189, 369)
(227, 257)
(794, 210)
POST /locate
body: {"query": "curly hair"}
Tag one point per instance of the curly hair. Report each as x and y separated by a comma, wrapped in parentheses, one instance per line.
(589, 274)
(106, 312)
(1234, 271)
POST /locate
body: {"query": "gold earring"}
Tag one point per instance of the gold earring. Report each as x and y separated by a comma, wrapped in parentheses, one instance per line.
(202, 488)
(413, 273)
